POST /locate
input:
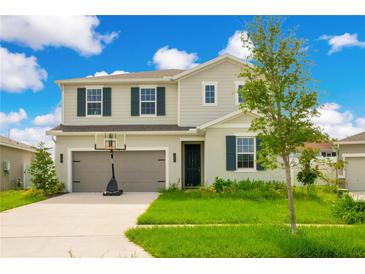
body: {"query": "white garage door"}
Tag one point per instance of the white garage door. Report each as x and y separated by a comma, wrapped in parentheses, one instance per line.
(355, 173)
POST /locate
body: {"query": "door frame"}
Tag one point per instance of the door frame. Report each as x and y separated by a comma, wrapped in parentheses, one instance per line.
(69, 161)
(202, 162)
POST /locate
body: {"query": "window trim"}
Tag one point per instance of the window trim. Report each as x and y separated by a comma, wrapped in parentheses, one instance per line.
(140, 101)
(101, 102)
(246, 169)
(236, 84)
(210, 83)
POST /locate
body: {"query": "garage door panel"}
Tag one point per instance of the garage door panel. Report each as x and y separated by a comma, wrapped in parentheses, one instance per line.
(134, 170)
(355, 173)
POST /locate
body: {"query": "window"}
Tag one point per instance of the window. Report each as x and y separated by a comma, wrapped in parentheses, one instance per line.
(94, 102)
(209, 93)
(328, 154)
(245, 152)
(148, 101)
(239, 98)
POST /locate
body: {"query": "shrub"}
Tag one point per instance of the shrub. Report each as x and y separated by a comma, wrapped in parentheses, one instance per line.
(220, 185)
(43, 172)
(349, 210)
(33, 192)
(251, 189)
(308, 173)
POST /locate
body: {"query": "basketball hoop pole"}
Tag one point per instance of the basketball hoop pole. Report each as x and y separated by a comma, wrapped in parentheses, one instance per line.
(112, 158)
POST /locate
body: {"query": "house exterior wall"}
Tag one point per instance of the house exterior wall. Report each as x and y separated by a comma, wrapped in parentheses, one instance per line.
(192, 111)
(18, 159)
(121, 106)
(351, 148)
(141, 142)
(215, 158)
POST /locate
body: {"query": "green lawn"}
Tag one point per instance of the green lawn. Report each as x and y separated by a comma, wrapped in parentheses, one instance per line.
(195, 207)
(250, 241)
(14, 198)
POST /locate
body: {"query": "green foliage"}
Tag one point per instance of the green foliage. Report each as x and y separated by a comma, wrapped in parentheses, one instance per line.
(43, 172)
(251, 189)
(250, 205)
(250, 241)
(14, 198)
(349, 210)
(33, 192)
(309, 172)
(280, 88)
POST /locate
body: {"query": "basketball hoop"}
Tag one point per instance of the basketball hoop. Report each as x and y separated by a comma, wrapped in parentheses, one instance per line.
(110, 141)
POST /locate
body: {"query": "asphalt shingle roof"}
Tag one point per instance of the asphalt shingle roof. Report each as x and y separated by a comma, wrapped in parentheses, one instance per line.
(107, 128)
(355, 138)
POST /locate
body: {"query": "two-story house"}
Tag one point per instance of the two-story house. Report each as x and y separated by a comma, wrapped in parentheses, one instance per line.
(179, 127)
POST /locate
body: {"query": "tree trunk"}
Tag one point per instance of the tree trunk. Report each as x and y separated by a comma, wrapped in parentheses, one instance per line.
(293, 223)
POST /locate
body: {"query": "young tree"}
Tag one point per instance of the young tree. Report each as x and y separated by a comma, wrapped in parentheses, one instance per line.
(309, 171)
(280, 89)
(43, 172)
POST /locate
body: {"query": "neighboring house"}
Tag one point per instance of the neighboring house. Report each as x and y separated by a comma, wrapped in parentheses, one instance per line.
(180, 127)
(15, 157)
(352, 151)
(326, 150)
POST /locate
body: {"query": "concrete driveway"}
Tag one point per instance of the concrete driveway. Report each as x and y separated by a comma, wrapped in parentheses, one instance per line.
(74, 225)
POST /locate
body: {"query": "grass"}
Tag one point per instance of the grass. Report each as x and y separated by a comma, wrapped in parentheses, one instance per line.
(200, 207)
(251, 241)
(15, 198)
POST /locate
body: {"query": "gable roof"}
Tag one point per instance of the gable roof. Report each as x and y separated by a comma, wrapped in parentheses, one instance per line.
(15, 144)
(210, 63)
(143, 75)
(354, 139)
(153, 75)
(224, 118)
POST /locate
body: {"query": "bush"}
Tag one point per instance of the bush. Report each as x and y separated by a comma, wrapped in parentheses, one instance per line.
(43, 172)
(251, 189)
(33, 192)
(349, 210)
(308, 173)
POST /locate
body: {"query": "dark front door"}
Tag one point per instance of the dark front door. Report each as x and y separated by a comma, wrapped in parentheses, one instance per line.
(192, 165)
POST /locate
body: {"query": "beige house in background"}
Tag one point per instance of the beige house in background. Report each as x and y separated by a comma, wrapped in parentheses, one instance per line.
(352, 151)
(15, 157)
(180, 128)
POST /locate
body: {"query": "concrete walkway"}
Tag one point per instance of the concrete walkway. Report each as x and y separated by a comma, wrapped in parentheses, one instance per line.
(358, 196)
(74, 225)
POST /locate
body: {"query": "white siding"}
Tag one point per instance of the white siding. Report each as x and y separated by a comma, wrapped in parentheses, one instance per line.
(192, 112)
(121, 107)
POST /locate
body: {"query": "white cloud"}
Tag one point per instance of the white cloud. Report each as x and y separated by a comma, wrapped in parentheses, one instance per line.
(166, 58)
(13, 117)
(74, 32)
(19, 72)
(338, 42)
(32, 136)
(49, 119)
(235, 46)
(338, 124)
(104, 73)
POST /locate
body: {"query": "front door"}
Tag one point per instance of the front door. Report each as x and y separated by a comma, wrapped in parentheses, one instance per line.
(192, 165)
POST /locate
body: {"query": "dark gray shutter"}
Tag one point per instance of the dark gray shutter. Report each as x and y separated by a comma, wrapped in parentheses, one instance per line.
(81, 102)
(160, 101)
(134, 101)
(258, 147)
(231, 152)
(107, 102)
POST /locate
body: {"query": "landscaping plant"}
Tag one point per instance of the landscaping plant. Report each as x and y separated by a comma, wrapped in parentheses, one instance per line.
(349, 210)
(43, 172)
(279, 88)
(309, 170)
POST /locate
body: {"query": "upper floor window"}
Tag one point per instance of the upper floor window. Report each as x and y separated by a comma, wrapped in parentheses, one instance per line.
(328, 154)
(94, 101)
(245, 152)
(148, 101)
(210, 94)
(239, 97)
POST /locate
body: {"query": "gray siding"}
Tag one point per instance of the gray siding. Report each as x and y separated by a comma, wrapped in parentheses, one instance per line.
(192, 112)
(18, 159)
(121, 107)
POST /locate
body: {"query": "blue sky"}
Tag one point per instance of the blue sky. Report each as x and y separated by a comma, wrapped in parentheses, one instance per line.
(129, 43)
